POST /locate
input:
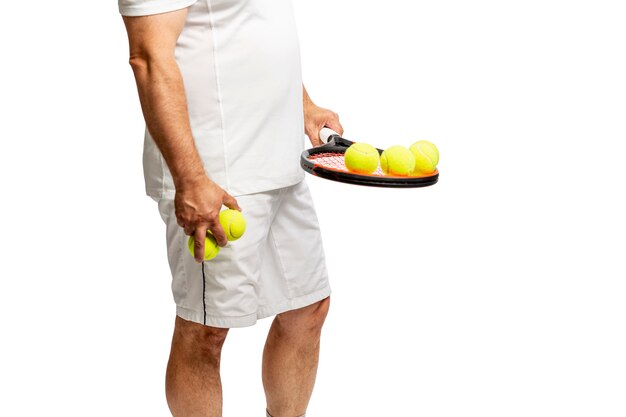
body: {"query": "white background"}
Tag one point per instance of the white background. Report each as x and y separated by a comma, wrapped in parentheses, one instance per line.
(498, 292)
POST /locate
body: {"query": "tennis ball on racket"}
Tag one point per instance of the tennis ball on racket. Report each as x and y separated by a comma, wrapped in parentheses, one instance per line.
(211, 248)
(397, 160)
(426, 157)
(233, 223)
(361, 158)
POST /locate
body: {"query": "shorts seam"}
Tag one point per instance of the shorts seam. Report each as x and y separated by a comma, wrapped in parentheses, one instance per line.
(203, 295)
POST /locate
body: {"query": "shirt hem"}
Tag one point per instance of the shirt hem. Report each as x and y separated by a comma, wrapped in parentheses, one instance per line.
(242, 189)
(142, 10)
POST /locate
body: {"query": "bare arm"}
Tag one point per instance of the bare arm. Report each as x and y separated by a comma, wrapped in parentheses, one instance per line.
(152, 41)
(198, 200)
(315, 118)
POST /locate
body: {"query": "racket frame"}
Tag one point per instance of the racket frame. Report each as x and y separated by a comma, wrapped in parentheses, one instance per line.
(338, 144)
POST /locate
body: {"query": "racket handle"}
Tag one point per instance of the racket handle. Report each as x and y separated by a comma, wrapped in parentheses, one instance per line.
(326, 133)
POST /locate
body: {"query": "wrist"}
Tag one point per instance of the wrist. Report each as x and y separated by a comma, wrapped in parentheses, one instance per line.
(309, 107)
(190, 178)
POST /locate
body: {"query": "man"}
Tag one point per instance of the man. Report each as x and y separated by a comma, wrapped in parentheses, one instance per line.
(221, 92)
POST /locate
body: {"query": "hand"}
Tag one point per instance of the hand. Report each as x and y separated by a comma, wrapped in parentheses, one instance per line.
(198, 204)
(315, 118)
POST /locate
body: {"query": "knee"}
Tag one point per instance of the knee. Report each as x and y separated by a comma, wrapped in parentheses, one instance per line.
(212, 339)
(307, 319)
(203, 340)
(320, 313)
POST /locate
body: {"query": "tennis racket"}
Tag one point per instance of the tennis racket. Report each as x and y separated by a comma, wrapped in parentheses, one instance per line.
(327, 161)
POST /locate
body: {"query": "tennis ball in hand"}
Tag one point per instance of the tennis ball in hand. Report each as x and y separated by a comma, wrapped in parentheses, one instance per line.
(426, 157)
(233, 223)
(211, 247)
(361, 158)
(397, 160)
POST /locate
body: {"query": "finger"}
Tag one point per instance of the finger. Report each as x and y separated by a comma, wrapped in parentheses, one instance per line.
(315, 142)
(198, 246)
(335, 125)
(314, 136)
(339, 129)
(230, 202)
(189, 229)
(218, 233)
(180, 220)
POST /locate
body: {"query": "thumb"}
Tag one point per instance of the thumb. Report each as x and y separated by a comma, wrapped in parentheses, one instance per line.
(230, 202)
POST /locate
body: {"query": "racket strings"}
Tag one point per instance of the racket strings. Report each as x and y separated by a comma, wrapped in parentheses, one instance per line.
(335, 161)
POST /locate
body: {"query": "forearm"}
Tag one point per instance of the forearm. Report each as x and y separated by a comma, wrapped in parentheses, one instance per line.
(306, 100)
(164, 106)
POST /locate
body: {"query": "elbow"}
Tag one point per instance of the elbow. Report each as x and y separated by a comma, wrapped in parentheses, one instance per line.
(139, 63)
(142, 62)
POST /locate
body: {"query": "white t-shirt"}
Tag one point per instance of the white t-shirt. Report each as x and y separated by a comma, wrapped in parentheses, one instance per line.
(240, 63)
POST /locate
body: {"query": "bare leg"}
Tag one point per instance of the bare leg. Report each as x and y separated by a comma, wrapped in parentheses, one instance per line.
(192, 383)
(290, 359)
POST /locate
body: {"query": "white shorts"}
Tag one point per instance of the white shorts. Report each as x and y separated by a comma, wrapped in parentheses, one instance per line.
(276, 266)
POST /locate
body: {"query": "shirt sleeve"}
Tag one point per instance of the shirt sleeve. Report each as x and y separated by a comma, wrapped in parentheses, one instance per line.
(148, 7)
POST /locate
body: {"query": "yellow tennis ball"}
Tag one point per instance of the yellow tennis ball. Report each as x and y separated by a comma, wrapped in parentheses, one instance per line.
(211, 248)
(397, 160)
(233, 223)
(426, 157)
(361, 158)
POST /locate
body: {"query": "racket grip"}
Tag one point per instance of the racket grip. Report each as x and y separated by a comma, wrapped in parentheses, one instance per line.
(326, 133)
